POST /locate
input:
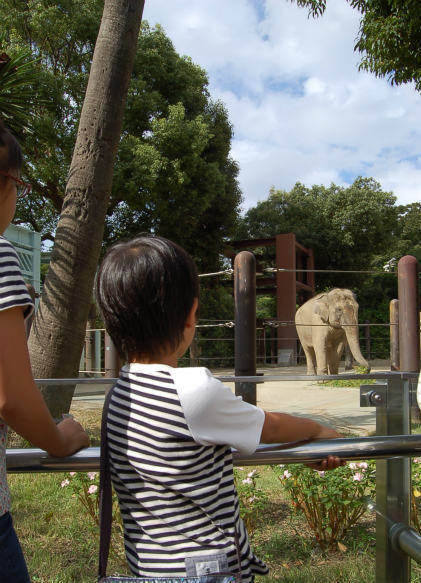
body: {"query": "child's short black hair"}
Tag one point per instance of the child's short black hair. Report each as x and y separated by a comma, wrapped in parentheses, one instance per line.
(145, 289)
(10, 151)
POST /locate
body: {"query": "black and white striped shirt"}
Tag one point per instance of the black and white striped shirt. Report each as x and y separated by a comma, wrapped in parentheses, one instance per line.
(170, 433)
(13, 293)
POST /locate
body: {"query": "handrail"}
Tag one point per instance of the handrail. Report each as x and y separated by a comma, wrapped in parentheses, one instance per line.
(37, 460)
(382, 375)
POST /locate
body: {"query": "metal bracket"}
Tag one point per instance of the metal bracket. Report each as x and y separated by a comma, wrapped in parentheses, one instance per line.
(373, 395)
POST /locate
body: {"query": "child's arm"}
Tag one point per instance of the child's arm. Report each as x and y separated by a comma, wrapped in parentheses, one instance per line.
(21, 403)
(283, 428)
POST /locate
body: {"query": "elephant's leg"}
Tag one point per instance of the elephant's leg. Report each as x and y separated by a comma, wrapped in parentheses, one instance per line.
(311, 360)
(321, 358)
(333, 359)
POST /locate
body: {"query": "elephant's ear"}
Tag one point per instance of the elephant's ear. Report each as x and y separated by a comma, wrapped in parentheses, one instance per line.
(322, 310)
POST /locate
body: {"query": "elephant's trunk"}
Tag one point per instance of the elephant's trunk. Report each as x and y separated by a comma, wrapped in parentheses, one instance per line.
(351, 333)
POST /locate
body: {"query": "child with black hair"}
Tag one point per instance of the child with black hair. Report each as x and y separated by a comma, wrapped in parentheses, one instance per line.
(170, 430)
(21, 403)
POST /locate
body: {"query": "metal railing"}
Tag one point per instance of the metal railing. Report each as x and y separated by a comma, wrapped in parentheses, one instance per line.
(393, 395)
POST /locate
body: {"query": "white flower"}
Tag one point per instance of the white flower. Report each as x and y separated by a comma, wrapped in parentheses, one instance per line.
(363, 465)
(353, 466)
(92, 489)
(72, 474)
(286, 474)
(92, 475)
(247, 481)
(65, 483)
(321, 473)
(358, 477)
(252, 473)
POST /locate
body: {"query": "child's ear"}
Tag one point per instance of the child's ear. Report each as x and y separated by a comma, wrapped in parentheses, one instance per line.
(191, 318)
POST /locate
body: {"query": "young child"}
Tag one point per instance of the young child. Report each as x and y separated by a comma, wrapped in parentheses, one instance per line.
(21, 404)
(170, 430)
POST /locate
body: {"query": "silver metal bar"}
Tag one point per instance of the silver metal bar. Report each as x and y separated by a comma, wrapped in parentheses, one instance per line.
(37, 460)
(252, 379)
(406, 539)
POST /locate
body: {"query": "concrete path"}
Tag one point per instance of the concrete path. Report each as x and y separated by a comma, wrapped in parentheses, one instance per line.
(337, 407)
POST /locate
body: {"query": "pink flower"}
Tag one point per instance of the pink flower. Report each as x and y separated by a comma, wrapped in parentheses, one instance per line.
(286, 474)
(363, 465)
(353, 466)
(72, 474)
(92, 475)
(65, 483)
(92, 489)
(358, 477)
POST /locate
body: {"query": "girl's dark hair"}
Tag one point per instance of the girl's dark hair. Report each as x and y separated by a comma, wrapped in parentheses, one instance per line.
(10, 152)
(145, 289)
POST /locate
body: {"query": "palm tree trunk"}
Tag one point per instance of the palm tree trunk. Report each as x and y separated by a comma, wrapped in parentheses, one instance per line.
(59, 327)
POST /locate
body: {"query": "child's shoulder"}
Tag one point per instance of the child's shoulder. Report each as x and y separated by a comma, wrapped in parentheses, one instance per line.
(198, 376)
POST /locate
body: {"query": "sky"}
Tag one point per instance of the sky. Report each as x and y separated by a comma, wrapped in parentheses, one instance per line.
(300, 109)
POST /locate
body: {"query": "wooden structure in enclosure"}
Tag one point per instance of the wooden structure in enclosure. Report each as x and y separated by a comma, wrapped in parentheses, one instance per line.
(289, 282)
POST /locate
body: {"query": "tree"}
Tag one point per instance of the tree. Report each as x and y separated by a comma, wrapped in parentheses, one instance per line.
(345, 227)
(389, 37)
(59, 326)
(173, 172)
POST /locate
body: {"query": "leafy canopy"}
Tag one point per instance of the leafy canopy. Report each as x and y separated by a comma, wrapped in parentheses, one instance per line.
(389, 37)
(173, 175)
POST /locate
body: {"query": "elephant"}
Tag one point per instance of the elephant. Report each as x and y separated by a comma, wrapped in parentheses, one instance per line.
(324, 324)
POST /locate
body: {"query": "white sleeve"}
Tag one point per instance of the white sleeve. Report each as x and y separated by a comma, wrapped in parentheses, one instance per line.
(214, 414)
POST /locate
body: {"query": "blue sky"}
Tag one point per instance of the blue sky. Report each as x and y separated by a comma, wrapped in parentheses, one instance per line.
(300, 109)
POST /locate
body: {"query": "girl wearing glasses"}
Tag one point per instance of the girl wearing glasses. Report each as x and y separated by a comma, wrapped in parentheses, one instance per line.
(21, 403)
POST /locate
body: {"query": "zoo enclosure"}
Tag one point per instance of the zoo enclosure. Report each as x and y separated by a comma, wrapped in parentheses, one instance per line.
(377, 340)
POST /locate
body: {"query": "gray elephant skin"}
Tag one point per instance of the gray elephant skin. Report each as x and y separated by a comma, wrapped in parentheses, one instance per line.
(324, 324)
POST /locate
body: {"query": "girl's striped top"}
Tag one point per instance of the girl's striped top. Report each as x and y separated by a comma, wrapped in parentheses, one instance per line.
(170, 433)
(13, 293)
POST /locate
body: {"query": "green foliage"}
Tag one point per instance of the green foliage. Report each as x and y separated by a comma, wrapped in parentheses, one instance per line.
(85, 488)
(17, 77)
(331, 502)
(345, 227)
(173, 175)
(251, 496)
(389, 37)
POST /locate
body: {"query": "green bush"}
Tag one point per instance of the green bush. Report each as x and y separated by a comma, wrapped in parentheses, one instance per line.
(331, 502)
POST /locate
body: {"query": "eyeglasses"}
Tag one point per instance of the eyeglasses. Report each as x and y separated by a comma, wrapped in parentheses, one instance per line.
(23, 188)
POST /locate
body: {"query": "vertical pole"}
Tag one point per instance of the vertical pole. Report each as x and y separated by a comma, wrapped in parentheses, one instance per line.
(409, 328)
(393, 476)
(393, 485)
(89, 350)
(245, 323)
(394, 334)
(112, 360)
(367, 340)
(98, 365)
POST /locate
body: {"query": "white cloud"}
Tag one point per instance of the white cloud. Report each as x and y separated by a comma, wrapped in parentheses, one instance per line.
(300, 108)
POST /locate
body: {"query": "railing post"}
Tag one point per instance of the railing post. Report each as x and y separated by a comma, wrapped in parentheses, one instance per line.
(393, 485)
(393, 476)
(409, 328)
(245, 323)
(394, 334)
